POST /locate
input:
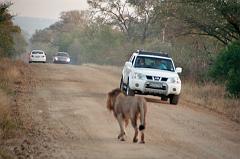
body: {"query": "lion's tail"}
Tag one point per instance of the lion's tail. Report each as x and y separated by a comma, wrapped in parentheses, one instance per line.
(143, 111)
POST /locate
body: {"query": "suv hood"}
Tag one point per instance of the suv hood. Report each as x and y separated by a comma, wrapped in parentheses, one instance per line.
(155, 72)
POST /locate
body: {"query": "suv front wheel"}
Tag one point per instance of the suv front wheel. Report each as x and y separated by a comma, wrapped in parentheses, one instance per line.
(174, 99)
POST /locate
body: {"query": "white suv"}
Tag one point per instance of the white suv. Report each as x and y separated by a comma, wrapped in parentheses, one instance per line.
(151, 73)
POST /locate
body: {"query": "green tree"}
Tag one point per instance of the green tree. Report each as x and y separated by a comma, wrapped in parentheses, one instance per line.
(216, 18)
(226, 68)
(134, 18)
(114, 12)
(7, 30)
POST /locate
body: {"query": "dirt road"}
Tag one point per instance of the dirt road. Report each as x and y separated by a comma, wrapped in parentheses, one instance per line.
(69, 107)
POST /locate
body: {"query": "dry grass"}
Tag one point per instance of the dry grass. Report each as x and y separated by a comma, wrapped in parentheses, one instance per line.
(11, 73)
(5, 155)
(15, 82)
(213, 97)
(7, 124)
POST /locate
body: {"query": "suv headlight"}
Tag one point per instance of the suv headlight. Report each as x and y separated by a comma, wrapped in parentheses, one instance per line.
(174, 80)
(137, 75)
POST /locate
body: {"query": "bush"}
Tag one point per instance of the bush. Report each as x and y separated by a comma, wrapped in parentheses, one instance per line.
(11, 40)
(226, 68)
(233, 83)
(12, 75)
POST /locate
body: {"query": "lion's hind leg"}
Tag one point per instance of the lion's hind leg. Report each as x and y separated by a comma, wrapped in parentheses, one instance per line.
(141, 128)
(121, 137)
(134, 124)
(142, 138)
(122, 132)
(126, 122)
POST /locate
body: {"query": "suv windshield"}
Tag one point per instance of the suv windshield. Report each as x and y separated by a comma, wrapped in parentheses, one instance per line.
(37, 52)
(62, 54)
(154, 63)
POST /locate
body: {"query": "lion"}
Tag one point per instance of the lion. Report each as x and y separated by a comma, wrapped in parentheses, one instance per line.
(125, 108)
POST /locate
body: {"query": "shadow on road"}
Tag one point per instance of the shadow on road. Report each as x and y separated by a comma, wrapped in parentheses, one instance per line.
(154, 100)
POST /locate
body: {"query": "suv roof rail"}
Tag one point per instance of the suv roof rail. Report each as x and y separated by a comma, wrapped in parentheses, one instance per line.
(142, 52)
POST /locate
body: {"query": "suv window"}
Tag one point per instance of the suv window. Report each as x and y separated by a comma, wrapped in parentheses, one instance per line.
(37, 52)
(154, 63)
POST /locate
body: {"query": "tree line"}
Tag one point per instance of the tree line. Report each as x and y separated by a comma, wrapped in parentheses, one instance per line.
(12, 43)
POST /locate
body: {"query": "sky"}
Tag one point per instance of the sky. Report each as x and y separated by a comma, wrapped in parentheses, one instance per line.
(45, 8)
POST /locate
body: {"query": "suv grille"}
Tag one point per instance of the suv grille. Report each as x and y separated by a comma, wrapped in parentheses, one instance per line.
(156, 78)
(164, 79)
(149, 77)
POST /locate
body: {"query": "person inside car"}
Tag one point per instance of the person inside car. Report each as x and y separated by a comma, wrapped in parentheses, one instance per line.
(160, 64)
(140, 62)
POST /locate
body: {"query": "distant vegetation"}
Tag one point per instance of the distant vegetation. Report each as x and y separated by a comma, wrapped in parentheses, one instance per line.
(12, 43)
(86, 41)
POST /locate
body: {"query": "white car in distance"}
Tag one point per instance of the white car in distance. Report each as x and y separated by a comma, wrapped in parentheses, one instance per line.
(150, 73)
(37, 56)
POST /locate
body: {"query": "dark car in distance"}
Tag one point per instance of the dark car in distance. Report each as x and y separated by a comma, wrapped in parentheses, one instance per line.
(61, 57)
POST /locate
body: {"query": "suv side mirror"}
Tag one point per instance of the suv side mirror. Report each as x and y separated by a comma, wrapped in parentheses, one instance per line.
(179, 70)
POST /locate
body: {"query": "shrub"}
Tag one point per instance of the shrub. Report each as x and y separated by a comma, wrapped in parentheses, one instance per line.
(10, 74)
(226, 68)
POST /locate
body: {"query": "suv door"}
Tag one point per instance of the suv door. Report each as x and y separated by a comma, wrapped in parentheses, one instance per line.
(127, 69)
